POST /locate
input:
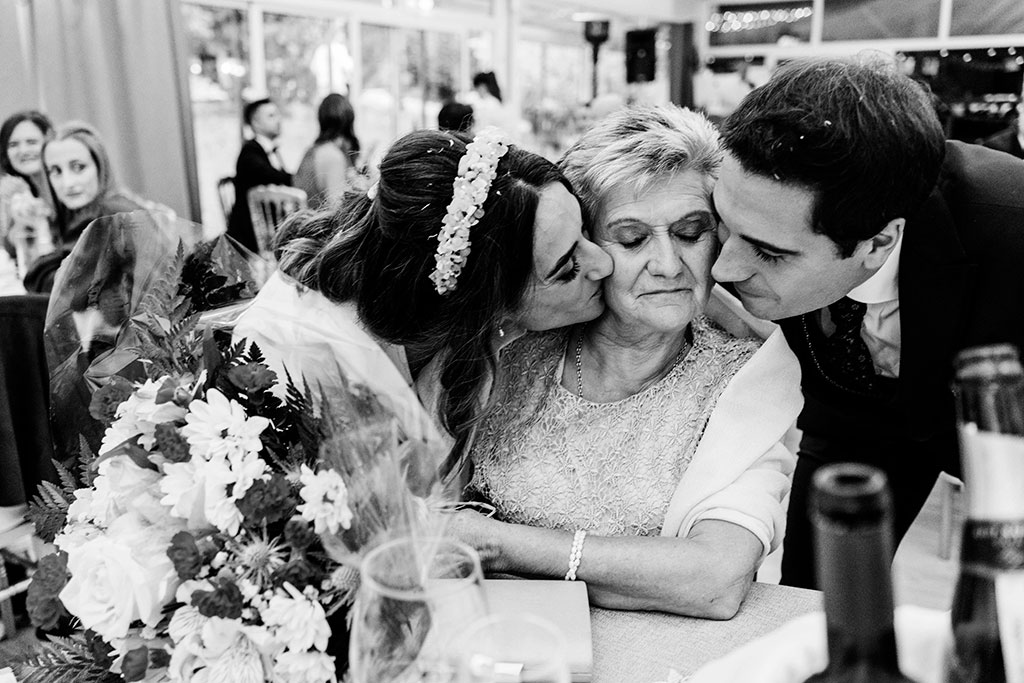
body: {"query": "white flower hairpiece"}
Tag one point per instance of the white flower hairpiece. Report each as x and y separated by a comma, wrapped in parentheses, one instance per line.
(477, 170)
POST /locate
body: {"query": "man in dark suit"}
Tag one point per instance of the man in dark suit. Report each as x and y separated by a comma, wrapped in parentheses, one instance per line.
(882, 250)
(258, 164)
(1011, 139)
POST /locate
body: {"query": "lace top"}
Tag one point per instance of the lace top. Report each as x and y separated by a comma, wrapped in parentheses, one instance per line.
(547, 457)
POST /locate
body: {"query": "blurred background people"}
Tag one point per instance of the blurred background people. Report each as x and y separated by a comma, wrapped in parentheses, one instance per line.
(258, 164)
(25, 207)
(455, 116)
(82, 185)
(488, 108)
(1011, 138)
(328, 167)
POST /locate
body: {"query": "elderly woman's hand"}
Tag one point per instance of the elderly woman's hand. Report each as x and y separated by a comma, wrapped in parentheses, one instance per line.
(482, 534)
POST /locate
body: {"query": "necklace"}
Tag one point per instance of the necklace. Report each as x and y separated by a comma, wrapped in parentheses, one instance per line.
(579, 362)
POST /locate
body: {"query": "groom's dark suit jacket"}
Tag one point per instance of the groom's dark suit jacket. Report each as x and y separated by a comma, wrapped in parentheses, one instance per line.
(961, 284)
(1006, 141)
(253, 168)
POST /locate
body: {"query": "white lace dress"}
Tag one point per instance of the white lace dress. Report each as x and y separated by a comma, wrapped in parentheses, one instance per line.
(549, 458)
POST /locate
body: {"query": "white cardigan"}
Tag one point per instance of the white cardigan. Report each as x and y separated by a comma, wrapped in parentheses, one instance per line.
(741, 470)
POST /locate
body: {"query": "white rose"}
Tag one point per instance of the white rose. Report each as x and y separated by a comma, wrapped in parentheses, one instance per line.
(119, 576)
(119, 486)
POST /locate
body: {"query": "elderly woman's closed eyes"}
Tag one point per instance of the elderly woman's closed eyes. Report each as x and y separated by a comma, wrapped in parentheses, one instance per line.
(652, 429)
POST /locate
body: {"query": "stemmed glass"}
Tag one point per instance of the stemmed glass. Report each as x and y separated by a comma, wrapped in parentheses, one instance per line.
(512, 647)
(416, 595)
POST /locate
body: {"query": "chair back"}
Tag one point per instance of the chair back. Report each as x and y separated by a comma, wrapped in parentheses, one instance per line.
(269, 206)
(226, 192)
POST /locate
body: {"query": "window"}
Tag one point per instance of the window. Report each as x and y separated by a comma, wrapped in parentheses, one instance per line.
(307, 58)
(404, 72)
(980, 17)
(880, 19)
(218, 77)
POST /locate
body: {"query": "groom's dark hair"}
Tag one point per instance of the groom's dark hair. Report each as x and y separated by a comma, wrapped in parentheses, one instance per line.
(863, 137)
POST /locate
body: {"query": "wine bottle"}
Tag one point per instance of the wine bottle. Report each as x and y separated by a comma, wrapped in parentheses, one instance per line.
(988, 603)
(852, 514)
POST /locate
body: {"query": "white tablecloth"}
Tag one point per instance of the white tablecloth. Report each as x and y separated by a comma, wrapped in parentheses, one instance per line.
(641, 647)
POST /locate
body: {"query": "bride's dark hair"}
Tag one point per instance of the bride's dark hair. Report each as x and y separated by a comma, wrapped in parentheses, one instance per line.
(379, 254)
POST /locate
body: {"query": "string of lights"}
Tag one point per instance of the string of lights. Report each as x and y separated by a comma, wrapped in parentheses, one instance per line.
(731, 22)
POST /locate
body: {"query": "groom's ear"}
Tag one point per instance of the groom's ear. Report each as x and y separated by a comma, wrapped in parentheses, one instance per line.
(875, 250)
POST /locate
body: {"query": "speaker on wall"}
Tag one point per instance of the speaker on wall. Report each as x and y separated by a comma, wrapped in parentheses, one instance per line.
(641, 57)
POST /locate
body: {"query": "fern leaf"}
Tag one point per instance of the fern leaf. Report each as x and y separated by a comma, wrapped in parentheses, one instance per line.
(52, 496)
(64, 660)
(48, 522)
(255, 354)
(86, 460)
(68, 483)
(161, 298)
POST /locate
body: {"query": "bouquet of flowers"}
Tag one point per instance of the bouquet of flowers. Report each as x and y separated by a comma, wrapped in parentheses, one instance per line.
(218, 525)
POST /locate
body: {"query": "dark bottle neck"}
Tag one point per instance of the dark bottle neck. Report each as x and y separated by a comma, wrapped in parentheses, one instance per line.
(855, 573)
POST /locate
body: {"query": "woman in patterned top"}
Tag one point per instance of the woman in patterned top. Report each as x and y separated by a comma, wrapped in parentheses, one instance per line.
(651, 428)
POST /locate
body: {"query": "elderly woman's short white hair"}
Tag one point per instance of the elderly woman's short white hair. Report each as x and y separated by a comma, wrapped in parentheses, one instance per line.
(638, 146)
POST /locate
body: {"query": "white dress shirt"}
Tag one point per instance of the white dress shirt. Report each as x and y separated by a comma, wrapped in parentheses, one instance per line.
(881, 327)
(270, 147)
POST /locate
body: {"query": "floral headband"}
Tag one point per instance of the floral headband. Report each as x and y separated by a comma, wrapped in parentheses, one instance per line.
(477, 170)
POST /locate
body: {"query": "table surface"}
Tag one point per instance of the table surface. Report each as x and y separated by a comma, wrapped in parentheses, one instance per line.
(641, 647)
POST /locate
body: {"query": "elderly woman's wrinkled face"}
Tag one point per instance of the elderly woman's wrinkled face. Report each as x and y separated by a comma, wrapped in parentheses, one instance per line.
(662, 242)
(72, 172)
(568, 267)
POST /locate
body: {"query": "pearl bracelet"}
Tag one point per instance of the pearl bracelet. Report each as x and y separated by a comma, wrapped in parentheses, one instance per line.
(576, 554)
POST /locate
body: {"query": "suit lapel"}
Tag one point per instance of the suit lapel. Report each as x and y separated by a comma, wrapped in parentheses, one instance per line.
(935, 282)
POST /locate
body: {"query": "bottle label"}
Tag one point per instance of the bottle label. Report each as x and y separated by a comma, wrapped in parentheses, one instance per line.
(993, 471)
(1010, 612)
(993, 547)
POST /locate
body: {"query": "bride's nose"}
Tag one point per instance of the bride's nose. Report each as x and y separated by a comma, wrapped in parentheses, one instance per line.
(594, 261)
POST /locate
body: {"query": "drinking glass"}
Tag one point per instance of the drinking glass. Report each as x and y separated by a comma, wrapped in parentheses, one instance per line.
(416, 595)
(512, 647)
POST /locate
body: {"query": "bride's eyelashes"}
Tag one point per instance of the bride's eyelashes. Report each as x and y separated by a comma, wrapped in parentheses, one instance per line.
(574, 270)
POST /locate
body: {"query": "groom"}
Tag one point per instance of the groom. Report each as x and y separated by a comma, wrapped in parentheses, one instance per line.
(882, 250)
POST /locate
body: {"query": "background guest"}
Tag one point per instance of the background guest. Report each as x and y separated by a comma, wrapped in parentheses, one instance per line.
(1011, 138)
(258, 164)
(24, 202)
(488, 109)
(83, 187)
(455, 116)
(327, 168)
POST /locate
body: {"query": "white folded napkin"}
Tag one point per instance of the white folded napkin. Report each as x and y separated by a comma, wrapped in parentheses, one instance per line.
(798, 649)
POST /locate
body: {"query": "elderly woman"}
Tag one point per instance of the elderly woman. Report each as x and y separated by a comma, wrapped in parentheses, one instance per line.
(642, 452)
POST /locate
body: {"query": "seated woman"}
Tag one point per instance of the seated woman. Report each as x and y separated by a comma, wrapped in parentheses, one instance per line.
(459, 248)
(651, 429)
(327, 167)
(25, 206)
(81, 181)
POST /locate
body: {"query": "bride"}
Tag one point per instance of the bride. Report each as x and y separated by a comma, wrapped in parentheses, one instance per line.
(459, 248)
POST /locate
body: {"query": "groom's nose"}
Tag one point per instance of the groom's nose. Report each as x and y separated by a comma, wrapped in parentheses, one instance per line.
(730, 266)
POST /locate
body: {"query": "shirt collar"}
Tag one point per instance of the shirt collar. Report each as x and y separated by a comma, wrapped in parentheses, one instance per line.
(884, 284)
(266, 143)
